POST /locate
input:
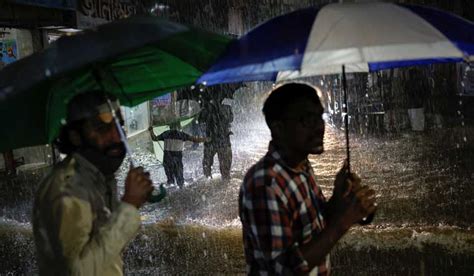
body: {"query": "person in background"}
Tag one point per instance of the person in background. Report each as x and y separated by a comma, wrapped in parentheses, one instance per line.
(218, 118)
(196, 131)
(79, 225)
(288, 226)
(173, 151)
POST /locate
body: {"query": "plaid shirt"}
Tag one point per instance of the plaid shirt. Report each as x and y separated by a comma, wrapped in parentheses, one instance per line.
(279, 213)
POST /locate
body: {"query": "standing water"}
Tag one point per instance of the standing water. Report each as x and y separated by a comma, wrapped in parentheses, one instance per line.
(423, 225)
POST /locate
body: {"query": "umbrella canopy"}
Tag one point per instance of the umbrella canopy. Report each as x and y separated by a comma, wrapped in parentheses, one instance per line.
(135, 59)
(363, 37)
(344, 37)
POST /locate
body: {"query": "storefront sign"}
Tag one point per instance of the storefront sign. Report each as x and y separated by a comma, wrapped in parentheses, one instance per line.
(109, 9)
(54, 4)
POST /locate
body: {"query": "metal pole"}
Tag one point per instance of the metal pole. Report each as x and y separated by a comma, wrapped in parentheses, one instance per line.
(369, 218)
(98, 75)
(123, 138)
(346, 118)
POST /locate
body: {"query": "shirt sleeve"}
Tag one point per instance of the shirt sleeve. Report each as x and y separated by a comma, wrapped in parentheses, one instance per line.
(267, 224)
(185, 137)
(86, 254)
(162, 136)
(156, 137)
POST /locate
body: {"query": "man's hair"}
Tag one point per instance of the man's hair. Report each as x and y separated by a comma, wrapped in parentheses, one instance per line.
(280, 98)
(62, 142)
(79, 109)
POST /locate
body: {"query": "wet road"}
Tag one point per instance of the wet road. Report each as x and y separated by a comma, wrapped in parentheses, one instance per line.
(417, 181)
(423, 225)
(424, 192)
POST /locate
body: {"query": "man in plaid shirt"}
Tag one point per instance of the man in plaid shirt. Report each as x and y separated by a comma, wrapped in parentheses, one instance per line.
(288, 225)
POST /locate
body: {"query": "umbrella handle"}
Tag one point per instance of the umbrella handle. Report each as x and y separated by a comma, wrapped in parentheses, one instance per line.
(367, 220)
(98, 75)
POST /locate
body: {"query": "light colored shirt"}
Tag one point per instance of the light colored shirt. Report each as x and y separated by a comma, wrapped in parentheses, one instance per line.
(79, 226)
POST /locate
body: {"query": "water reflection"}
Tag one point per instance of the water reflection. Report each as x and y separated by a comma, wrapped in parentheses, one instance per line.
(423, 225)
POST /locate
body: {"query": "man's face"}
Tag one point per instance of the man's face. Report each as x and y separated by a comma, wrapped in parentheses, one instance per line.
(302, 127)
(101, 133)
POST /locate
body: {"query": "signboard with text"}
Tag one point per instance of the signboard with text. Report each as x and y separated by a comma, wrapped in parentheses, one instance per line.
(91, 13)
(54, 4)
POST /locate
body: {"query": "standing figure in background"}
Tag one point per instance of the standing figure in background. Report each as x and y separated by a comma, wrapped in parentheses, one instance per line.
(173, 151)
(218, 118)
(196, 131)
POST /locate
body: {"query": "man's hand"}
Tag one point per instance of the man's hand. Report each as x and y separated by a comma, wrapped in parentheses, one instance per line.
(363, 202)
(353, 201)
(138, 187)
(343, 184)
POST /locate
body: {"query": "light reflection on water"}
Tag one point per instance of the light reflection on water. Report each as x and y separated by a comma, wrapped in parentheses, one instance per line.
(414, 184)
(412, 218)
(423, 184)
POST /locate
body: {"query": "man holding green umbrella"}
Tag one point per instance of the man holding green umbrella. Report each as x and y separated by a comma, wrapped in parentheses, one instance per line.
(79, 225)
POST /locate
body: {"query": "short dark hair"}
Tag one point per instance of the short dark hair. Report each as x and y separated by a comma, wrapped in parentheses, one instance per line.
(62, 142)
(281, 97)
(79, 109)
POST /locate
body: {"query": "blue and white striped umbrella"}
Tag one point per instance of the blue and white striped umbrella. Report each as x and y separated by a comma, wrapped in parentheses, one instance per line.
(363, 37)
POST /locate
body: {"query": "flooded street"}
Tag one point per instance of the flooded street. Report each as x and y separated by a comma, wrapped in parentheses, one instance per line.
(423, 225)
(183, 80)
(420, 178)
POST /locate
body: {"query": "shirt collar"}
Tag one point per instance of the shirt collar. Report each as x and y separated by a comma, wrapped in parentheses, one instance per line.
(274, 154)
(88, 166)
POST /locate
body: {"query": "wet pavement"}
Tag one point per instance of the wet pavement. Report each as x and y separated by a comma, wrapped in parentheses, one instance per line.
(423, 224)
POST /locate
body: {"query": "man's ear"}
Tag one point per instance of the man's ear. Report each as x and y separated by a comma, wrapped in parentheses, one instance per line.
(75, 137)
(276, 128)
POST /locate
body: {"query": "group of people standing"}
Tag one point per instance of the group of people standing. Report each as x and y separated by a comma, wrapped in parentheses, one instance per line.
(289, 227)
(217, 118)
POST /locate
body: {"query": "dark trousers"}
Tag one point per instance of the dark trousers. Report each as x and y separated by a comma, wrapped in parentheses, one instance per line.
(224, 154)
(173, 164)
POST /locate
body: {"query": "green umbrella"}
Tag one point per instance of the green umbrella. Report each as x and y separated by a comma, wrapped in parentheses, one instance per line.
(135, 59)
